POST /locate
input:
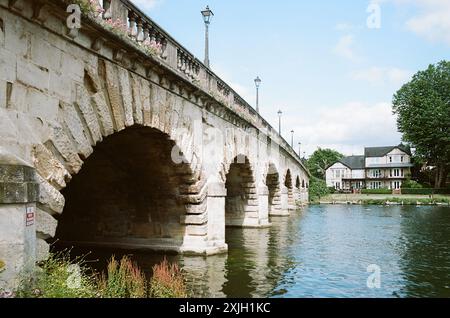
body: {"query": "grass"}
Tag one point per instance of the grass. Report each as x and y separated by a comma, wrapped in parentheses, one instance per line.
(380, 199)
(61, 277)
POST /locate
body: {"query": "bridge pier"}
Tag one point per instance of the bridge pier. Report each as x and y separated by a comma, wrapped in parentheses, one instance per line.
(18, 196)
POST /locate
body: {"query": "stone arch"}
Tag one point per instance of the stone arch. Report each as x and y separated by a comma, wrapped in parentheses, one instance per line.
(241, 202)
(130, 193)
(114, 102)
(297, 182)
(273, 184)
(288, 183)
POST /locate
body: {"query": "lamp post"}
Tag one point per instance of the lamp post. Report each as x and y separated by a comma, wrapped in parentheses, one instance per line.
(279, 121)
(257, 84)
(207, 15)
(299, 148)
(292, 138)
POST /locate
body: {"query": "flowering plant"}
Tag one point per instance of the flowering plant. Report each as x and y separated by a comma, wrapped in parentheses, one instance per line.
(116, 25)
(152, 47)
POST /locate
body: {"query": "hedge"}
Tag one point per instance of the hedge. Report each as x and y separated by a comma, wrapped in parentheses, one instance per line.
(426, 191)
(376, 191)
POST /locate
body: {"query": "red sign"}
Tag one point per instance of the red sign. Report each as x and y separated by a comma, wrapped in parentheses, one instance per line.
(30, 216)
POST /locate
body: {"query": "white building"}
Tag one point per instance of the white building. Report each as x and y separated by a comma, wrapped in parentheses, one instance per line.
(379, 167)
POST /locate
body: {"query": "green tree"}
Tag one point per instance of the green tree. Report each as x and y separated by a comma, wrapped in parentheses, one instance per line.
(423, 109)
(322, 159)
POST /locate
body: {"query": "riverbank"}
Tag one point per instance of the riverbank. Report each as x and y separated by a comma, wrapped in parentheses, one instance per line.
(385, 199)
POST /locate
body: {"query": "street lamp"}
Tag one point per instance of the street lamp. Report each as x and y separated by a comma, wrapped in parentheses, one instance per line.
(257, 84)
(299, 148)
(207, 15)
(292, 138)
(279, 121)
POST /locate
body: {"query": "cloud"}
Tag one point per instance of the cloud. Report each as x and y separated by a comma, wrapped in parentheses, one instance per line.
(146, 5)
(432, 20)
(344, 48)
(382, 76)
(348, 128)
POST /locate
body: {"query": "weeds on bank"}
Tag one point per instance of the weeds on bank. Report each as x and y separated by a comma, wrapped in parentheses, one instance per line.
(61, 277)
(124, 279)
(167, 281)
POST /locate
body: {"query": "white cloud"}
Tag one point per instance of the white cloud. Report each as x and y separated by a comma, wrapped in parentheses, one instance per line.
(348, 128)
(432, 21)
(344, 47)
(146, 5)
(382, 76)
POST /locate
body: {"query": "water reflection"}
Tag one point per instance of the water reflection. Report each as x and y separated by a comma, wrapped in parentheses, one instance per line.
(425, 257)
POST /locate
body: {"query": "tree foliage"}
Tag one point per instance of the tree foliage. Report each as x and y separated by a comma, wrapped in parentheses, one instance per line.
(321, 159)
(317, 189)
(423, 109)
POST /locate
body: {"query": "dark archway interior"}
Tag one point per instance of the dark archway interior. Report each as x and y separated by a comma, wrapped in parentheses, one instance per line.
(288, 185)
(297, 182)
(239, 185)
(126, 192)
(273, 184)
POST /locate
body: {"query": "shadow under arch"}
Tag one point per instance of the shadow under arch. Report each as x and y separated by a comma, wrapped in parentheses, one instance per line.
(129, 194)
(288, 183)
(273, 185)
(241, 202)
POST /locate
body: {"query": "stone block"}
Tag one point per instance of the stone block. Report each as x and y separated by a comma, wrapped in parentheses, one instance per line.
(84, 105)
(8, 66)
(42, 250)
(45, 55)
(33, 75)
(104, 114)
(127, 97)
(77, 131)
(45, 224)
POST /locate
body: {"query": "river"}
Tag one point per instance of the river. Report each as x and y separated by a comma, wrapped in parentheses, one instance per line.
(328, 251)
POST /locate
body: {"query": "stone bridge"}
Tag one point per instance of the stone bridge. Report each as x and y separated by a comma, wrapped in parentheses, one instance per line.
(112, 133)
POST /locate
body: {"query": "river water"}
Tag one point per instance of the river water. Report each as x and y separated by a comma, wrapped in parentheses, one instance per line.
(326, 251)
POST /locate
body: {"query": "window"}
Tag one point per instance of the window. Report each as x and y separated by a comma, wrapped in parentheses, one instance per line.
(375, 173)
(337, 173)
(396, 172)
(390, 159)
(375, 185)
(402, 158)
(396, 185)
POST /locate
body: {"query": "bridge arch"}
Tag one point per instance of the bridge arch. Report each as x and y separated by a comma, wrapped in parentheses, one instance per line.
(130, 193)
(297, 182)
(289, 184)
(241, 202)
(272, 181)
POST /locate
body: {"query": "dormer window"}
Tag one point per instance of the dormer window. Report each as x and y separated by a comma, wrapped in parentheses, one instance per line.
(401, 158)
(390, 159)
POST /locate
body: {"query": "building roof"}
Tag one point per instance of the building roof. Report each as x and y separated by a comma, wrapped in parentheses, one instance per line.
(353, 162)
(382, 151)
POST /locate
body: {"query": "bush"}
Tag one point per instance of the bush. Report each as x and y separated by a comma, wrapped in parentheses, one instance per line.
(331, 190)
(167, 281)
(426, 191)
(376, 191)
(317, 189)
(124, 279)
(411, 184)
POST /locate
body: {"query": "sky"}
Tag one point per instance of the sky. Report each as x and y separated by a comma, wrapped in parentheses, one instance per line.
(331, 67)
